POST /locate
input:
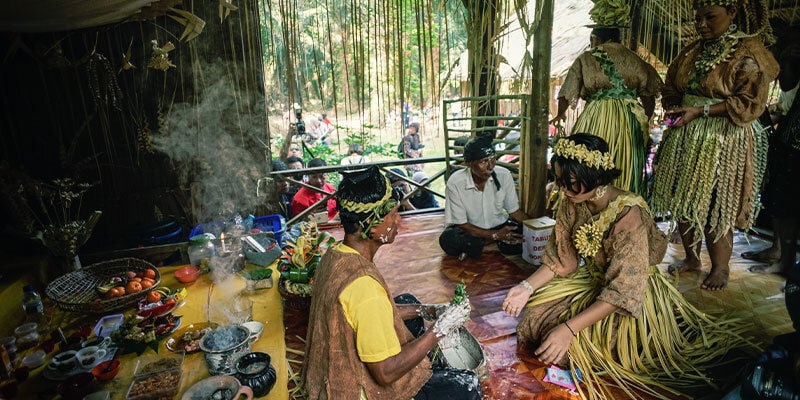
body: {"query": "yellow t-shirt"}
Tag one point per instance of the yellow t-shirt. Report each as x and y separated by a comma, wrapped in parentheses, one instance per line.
(368, 310)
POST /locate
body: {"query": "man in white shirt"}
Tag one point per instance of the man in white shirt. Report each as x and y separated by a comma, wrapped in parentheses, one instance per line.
(482, 205)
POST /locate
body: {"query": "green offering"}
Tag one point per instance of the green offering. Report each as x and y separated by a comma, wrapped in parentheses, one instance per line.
(459, 294)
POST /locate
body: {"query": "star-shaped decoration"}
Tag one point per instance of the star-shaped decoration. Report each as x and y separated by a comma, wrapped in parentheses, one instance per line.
(225, 8)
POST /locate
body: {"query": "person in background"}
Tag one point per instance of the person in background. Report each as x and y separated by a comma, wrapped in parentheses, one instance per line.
(295, 162)
(598, 283)
(355, 155)
(482, 205)
(306, 198)
(283, 197)
(359, 343)
(412, 147)
(422, 198)
(401, 188)
(783, 160)
(711, 160)
(295, 151)
(620, 90)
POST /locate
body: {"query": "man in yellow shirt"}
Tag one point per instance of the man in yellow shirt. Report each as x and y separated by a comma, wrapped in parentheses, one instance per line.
(358, 344)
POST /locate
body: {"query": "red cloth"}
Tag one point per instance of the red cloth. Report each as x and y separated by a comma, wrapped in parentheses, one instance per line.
(305, 198)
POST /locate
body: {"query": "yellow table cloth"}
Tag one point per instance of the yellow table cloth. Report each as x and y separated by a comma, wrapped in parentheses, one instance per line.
(267, 309)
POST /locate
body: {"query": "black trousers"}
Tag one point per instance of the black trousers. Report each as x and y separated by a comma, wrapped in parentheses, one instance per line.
(446, 383)
(455, 241)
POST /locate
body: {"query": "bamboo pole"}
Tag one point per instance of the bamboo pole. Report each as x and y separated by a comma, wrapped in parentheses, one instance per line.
(534, 138)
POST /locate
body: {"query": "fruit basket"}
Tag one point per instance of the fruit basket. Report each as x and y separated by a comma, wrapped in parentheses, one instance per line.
(77, 290)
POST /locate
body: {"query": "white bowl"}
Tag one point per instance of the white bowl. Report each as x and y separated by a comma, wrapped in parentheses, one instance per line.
(255, 329)
(34, 360)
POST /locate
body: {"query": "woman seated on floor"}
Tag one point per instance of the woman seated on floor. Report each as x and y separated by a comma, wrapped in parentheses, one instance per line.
(596, 300)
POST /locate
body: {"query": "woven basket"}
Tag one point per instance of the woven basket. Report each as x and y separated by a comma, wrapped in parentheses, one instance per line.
(293, 301)
(76, 292)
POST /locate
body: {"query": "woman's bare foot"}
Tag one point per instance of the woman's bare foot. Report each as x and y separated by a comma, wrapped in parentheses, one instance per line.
(687, 265)
(774, 268)
(717, 279)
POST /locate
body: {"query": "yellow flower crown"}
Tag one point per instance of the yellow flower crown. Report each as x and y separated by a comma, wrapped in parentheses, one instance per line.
(697, 4)
(378, 209)
(568, 149)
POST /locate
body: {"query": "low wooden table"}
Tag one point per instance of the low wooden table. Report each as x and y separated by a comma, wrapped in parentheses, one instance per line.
(267, 309)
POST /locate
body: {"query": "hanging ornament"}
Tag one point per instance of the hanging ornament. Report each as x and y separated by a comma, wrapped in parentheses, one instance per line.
(160, 59)
(192, 23)
(225, 8)
(126, 59)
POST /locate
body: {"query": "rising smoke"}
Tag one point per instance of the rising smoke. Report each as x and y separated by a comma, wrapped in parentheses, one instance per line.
(212, 145)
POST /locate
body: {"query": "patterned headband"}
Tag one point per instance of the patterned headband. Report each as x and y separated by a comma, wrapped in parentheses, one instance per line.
(376, 209)
(568, 149)
(698, 4)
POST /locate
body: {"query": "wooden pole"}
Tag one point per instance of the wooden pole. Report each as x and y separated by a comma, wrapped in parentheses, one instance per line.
(533, 166)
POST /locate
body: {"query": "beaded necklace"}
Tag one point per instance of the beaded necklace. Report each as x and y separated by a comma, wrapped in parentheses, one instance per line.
(713, 53)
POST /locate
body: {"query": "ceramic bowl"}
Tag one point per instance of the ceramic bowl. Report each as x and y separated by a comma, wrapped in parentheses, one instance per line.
(255, 329)
(223, 346)
(217, 387)
(76, 386)
(106, 370)
(187, 274)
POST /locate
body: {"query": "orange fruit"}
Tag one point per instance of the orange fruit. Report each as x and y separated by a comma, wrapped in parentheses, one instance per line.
(150, 273)
(153, 297)
(133, 287)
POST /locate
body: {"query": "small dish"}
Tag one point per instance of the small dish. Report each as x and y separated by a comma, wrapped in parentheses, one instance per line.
(34, 360)
(106, 370)
(187, 274)
(255, 329)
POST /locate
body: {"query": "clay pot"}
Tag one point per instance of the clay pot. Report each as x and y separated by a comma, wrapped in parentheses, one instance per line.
(254, 370)
(217, 387)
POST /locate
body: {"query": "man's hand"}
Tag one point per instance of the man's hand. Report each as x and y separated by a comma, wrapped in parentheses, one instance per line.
(507, 234)
(452, 318)
(430, 312)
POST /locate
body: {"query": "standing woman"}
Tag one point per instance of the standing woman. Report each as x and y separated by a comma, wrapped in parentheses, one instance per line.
(612, 79)
(711, 161)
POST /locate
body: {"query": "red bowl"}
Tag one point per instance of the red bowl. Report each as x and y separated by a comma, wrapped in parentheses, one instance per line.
(187, 274)
(106, 370)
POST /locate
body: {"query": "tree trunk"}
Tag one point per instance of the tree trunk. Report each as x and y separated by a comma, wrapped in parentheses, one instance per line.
(534, 141)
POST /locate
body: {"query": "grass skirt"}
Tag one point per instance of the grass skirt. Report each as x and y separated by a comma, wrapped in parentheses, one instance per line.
(619, 123)
(708, 174)
(667, 347)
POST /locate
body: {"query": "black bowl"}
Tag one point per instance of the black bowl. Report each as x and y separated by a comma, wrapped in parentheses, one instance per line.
(254, 370)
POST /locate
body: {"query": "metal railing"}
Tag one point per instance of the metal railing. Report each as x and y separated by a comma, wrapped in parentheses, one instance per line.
(385, 166)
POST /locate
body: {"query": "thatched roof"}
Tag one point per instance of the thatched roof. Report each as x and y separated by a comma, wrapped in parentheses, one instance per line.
(64, 15)
(570, 39)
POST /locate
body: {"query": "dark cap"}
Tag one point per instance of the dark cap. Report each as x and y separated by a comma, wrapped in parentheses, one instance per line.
(479, 147)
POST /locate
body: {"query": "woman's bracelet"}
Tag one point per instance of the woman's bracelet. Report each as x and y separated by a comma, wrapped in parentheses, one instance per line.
(527, 285)
(570, 329)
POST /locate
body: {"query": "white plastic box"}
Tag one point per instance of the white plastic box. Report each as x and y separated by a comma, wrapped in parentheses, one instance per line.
(535, 233)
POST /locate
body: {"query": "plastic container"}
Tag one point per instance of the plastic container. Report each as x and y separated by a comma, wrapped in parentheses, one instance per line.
(200, 247)
(108, 325)
(269, 223)
(27, 335)
(34, 360)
